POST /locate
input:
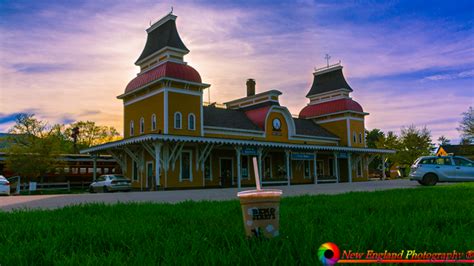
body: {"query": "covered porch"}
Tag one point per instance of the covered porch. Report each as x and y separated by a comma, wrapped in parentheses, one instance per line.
(156, 162)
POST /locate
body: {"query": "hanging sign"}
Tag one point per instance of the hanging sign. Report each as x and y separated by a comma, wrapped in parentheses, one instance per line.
(342, 155)
(302, 156)
(249, 151)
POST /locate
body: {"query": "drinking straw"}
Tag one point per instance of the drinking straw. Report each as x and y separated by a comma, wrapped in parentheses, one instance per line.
(257, 176)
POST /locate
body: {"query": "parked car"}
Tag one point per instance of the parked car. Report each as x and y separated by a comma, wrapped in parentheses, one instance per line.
(4, 186)
(429, 170)
(109, 183)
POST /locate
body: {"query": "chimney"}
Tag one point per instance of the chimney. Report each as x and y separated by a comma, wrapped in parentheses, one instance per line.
(250, 87)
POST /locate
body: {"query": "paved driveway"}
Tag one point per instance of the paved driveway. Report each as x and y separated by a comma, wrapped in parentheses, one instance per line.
(57, 201)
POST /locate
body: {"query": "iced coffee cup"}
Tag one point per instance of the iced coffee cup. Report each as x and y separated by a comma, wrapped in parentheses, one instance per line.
(261, 212)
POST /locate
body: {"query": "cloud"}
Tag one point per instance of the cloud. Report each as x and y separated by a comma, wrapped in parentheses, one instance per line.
(463, 74)
(83, 57)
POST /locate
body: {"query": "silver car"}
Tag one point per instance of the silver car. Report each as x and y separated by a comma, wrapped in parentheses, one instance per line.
(4, 186)
(429, 170)
(109, 183)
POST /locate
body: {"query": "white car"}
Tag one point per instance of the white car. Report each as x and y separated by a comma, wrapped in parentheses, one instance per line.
(4, 186)
(109, 183)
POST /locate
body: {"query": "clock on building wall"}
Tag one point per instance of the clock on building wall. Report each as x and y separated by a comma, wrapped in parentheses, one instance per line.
(276, 124)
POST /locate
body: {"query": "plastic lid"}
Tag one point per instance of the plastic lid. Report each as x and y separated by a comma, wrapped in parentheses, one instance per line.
(264, 193)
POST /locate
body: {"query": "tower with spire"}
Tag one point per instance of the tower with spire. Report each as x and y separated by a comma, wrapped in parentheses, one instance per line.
(331, 106)
(166, 95)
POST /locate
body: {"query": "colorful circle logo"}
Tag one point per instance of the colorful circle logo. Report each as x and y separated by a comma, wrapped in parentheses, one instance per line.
(328, 253)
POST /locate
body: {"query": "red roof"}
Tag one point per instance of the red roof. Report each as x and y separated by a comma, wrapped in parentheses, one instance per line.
(327, 108)
(168, 69)
(258, 116)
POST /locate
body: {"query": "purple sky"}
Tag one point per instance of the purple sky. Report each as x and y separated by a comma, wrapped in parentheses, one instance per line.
(408, 62)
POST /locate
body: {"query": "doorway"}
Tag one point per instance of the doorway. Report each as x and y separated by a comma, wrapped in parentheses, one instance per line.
(226, 172)
(149, 176)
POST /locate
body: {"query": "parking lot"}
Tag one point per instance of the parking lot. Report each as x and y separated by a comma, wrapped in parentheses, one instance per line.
(173, 196)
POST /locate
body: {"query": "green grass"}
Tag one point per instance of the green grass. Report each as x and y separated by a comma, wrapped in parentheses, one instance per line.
(426, 219)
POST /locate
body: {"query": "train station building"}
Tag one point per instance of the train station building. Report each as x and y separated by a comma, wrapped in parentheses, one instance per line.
(172, 139)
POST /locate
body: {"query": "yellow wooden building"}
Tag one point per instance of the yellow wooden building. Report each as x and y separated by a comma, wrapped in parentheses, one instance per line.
(172, 139)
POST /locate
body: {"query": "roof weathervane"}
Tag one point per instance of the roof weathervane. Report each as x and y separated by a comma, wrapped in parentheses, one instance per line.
(171, 12)
(327, 57)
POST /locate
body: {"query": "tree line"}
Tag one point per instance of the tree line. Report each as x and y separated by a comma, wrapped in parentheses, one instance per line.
(413, 142)
(34, 146)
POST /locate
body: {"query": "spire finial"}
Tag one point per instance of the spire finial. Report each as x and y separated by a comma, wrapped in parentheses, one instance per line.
(171, 12)
(327, 57)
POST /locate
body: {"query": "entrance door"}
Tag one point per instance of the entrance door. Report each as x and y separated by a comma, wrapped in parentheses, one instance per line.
(225, 171)
(149, 176)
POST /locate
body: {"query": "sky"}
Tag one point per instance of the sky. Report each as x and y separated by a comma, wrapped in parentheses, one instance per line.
(408, 62)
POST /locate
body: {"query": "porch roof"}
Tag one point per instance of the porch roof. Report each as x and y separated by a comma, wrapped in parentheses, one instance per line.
(191, 139)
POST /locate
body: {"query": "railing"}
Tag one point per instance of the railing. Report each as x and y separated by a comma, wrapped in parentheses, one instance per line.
(327, 179)
(46, 186)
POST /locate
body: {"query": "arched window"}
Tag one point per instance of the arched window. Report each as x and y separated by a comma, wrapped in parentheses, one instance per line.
(191, 121)
(142, 125)
(360, 138)
(153, 122)
(132, 128)
(354, 137)
(177, 120)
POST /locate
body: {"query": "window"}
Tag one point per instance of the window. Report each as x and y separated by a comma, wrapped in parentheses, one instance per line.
(135, 171)
(132, 128)
(360, 138)
(462, 162)
(428, 161)
(191, 121)
(307, 169)
(83, 170)
(177, 120)
(208, 169)
(142, 125)
(354, 137)
(359, 168)
(185, 166)
(153, 122)
(245, 167)
(443, 161)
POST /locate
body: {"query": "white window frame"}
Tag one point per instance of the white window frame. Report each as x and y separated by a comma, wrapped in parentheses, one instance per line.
(361, 169)
(360, 138)
(210, 169)
(180, 120)
(142, 125)
(304, 169)
(153, 122)
(190, 166)
(354, 137)
(132, 128)
(191, 115)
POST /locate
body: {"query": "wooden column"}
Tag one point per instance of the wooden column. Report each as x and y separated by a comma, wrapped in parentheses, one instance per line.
(239, 167)
(94, 163)
(315, 167)
(157, 164)
(383, 167)
(349, 166)
(336, 167)
(287, 153)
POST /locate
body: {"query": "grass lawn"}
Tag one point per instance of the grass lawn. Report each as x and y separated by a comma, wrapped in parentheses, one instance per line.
(433, 219)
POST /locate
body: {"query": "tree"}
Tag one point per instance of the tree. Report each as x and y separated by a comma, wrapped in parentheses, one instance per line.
(466, 126)
(443, 140)
(90, 134)
(34, 150)
(414, 143)
(373, 136)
